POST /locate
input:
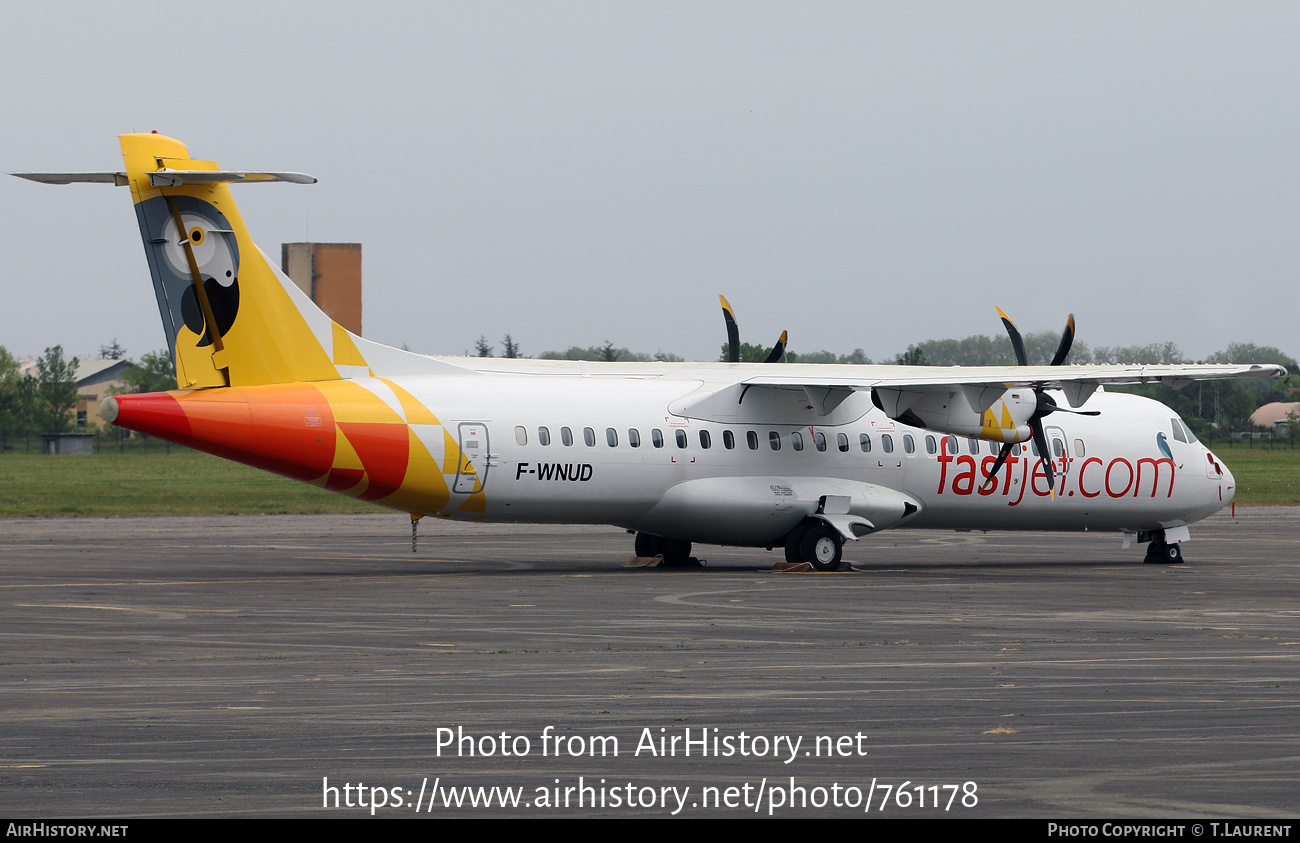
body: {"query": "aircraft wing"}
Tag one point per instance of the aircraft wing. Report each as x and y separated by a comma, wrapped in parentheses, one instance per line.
(922, 377)
(982, 384)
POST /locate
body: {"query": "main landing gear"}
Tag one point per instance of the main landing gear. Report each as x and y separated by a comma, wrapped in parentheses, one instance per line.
(675, 552)
(817, 543)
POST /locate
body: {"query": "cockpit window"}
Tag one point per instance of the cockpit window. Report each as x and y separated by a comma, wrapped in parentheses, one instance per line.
(1178, 430)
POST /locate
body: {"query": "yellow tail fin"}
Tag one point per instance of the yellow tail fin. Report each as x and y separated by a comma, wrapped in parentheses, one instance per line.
(231, 317)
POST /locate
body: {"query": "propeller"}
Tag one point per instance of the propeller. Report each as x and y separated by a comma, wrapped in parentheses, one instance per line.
(774, 356)
(733, 337)
(1045, 405)
(733, 332)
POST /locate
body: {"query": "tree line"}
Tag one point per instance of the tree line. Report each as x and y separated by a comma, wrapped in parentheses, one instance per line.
(45, 400)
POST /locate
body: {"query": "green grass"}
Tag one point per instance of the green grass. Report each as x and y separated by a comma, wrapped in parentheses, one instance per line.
(1265, 475)
(182, 482)
(186, 482)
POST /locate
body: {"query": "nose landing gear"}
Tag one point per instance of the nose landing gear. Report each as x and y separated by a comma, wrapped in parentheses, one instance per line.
(1160, 552)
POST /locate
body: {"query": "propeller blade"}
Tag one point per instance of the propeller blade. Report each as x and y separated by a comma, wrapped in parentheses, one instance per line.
(1040, 439)
(1067, 340)
(777, 350)
(1016, 342)
(733, 332)
(997, 464)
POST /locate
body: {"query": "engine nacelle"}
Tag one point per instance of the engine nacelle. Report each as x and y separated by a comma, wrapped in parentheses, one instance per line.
(991, 413)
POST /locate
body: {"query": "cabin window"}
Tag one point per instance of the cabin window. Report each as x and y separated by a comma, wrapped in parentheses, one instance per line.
(1057, 448)
(909, 444)
(728, 440)
(589, 436)
(864, 442)
(952, 444)
(751, 439)
(930, 446)
(611, 437)
(819, 439)
(633, 437)
(1016, 449)
(543, 436)
(796, 441)
(842, 440)
(1033, 447)
(521, 435)
(656, 437)
(681, 438)
(706, 441)
(1078, 449)
(886, 443)
(774, 439)
(973, 444)
(994, 447)
(566, 436)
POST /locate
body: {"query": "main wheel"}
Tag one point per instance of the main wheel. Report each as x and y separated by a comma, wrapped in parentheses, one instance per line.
(793, 552)
(648, 545)
(676, 553)
(821, 547)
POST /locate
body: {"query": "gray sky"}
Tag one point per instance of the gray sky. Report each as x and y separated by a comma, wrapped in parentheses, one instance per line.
(861, 174)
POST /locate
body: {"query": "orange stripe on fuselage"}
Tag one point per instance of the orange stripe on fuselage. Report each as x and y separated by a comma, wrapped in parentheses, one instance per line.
(287, 428)
(384, 450)
(334, 434)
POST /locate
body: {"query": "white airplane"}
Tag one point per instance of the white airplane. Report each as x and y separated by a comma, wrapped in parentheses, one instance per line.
(744, 454)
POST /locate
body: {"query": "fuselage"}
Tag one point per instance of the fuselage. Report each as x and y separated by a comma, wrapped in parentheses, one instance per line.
(586, 443)
(608, 451)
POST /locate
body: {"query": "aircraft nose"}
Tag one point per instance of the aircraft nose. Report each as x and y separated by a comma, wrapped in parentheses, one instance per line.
(1220, 474)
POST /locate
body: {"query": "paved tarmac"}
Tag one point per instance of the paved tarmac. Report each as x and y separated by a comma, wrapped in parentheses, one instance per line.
(229, 666)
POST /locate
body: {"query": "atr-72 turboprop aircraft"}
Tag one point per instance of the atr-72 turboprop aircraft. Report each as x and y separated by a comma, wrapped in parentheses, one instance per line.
(747, 454)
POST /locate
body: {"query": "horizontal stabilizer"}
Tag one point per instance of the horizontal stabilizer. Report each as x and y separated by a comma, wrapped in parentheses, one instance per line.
(118, 179)
(169, 178)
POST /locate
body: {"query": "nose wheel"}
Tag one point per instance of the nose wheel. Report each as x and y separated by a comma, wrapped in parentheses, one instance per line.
(1164, 553)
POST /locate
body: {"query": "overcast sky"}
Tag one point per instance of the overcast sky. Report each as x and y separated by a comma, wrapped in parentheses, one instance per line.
(861, 174)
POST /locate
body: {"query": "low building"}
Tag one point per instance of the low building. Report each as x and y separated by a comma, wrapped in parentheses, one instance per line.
(330, 274)
(1275, 416)
(95, 378)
